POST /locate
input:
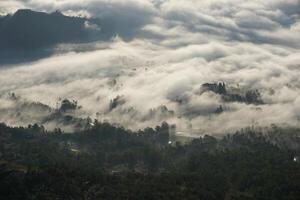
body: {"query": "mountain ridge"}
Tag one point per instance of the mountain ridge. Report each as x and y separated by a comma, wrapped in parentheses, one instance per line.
(27, 29)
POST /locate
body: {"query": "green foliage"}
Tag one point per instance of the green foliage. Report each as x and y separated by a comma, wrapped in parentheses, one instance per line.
(108, 162)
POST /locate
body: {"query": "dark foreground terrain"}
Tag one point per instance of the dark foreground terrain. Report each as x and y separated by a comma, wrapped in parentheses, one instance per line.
(108, 162)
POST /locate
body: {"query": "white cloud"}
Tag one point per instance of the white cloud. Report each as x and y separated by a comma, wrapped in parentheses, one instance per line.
(177, 46)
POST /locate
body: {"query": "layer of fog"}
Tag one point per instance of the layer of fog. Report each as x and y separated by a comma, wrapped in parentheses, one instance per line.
(177, 47)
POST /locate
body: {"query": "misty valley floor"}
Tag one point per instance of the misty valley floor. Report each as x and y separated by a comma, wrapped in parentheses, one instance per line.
(150, 58)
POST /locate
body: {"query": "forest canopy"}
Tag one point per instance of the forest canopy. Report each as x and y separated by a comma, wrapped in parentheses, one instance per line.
(108, 162)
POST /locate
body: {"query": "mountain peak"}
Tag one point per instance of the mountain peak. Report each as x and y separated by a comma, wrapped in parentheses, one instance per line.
(24, 12)
(27, 29)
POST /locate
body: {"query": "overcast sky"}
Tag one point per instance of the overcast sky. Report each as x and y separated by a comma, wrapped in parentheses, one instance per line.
(177, 46)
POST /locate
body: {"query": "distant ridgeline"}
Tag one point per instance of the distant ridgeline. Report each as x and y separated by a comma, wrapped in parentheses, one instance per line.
(28, 29)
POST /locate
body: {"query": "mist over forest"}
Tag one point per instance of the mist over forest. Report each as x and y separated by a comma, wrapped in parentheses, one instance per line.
(152, 58)
(204, 81)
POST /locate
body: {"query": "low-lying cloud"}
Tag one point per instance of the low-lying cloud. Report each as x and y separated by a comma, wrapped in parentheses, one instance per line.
(175, 46)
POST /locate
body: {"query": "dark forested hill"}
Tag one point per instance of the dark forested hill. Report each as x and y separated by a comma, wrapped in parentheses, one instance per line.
(28, 35)
(107, 162)
(29, 30)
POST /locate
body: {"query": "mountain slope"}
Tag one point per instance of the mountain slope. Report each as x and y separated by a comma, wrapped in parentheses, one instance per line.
(29, 30)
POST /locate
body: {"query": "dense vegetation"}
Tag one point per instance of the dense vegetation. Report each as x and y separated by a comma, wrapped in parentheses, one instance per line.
(108, 162)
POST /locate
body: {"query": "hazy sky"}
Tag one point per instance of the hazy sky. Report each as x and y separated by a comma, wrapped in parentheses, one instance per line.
(177, 46)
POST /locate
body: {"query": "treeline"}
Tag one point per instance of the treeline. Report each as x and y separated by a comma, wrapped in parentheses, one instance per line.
(109, 162)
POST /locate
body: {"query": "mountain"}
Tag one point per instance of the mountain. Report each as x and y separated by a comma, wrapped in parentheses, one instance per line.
(29, 30)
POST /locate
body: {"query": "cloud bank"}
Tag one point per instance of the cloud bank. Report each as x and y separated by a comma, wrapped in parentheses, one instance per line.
(175, 46)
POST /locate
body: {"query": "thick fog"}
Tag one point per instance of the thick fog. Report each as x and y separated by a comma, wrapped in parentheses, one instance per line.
(156, 67)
